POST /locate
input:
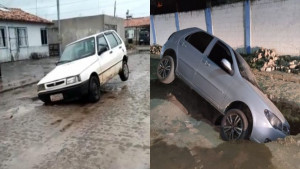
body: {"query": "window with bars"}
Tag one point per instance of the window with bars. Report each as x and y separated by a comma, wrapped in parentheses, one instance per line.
(22, 37)
(44, 36)
(2, 37)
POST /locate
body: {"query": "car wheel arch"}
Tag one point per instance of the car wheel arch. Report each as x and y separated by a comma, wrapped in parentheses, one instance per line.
(96, 75)
(245, 109)
(125, 58)
(172, 53)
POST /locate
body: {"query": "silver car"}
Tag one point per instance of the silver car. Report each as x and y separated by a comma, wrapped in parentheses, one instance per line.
(221, 76)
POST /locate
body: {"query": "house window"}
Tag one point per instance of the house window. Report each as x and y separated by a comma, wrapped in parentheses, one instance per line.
(22, 36)
(44, 36)
(2, 37)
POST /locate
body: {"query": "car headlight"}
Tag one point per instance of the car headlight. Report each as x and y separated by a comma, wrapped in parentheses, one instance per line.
(73, 79)
(41, 87)
(273, 119)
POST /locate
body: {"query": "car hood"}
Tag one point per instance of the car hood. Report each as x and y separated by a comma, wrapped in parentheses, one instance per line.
(68, 69)
(263, 98)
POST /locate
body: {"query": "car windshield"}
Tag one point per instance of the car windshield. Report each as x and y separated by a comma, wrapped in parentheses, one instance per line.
(78, 50)
(245, 69)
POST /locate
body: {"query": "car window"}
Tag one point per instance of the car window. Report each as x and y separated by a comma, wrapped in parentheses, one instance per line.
(219, 52)
(101, 42)
(112, 40)
(117, 37)
(244, 69)
(200, 40)
(78, 50)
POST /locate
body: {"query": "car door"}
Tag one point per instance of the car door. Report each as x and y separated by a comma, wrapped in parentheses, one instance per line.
(105, 57)
(115, 48)
(211, 77)
(121, 47)
(190, 53)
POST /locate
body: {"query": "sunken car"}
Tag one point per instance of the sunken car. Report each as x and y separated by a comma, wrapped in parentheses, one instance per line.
(222, 77)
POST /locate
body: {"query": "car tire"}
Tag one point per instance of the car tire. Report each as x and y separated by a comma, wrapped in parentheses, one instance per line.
(165, 70)
(234, 125)
(47, 101)
(124, 74)
(94, 89)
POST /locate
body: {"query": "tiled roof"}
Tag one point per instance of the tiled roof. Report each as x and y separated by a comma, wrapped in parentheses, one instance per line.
(137, 22)
(16, 14)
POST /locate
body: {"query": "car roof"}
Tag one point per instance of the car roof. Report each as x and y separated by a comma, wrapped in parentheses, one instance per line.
(94, 35)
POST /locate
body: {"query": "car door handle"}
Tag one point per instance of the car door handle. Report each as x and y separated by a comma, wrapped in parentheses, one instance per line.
(183, 44)
(120, 47)
(110, 52)
(205, 62)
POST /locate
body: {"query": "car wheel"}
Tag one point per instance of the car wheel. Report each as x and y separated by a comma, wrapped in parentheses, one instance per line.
(124, 74)
(165, 70)
(234, 125)
(94, 89)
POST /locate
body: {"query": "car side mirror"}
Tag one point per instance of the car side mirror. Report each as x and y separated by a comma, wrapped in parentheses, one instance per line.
(102, 50)
(226, 64)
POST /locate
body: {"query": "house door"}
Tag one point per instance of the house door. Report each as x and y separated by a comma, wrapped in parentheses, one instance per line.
(13, 41)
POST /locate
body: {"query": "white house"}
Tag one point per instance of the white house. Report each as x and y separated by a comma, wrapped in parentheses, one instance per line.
(21, 35)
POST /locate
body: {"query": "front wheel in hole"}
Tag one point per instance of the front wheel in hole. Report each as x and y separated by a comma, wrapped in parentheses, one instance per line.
(234, 125)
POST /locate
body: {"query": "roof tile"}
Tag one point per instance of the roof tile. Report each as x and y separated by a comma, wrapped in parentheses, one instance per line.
(137, 22)
(16, 14)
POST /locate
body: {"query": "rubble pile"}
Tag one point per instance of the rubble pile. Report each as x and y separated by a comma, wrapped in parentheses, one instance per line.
(155, 49)
(268, 60)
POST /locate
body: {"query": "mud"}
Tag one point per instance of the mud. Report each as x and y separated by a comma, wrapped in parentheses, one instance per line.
(185, 134)
(112, 133)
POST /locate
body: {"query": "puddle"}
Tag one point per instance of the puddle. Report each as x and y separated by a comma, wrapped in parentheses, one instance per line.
(227, 155)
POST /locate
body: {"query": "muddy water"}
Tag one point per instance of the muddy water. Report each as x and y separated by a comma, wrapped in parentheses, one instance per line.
(226, 155)
(185, 134)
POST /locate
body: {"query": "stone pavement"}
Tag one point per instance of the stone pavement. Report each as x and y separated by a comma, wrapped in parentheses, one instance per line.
(21, 73)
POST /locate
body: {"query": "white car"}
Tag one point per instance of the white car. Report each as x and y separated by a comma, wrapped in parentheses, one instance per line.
(85, 65)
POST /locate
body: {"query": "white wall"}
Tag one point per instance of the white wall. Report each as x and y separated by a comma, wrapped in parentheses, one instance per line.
(192, 19)
(34, 41)
(228, 24)
(275, 24)
(164, 27)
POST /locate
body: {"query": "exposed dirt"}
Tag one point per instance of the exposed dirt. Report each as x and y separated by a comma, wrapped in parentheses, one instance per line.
(112, 133)
(184, 134)
(284, 90)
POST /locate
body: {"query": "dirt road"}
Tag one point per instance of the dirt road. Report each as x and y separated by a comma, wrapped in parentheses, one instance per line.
(112, 133)
(184, 135)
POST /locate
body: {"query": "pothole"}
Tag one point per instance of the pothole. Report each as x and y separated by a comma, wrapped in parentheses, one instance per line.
(291, 112)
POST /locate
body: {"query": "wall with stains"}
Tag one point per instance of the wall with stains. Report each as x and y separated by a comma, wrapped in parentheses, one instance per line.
(273, 24)
(76, 28)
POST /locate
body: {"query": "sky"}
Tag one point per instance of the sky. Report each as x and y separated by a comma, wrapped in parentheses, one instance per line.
(75, 8)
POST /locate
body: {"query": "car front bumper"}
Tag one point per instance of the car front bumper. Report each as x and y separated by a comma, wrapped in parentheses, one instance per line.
(266, 133)
(69, 93)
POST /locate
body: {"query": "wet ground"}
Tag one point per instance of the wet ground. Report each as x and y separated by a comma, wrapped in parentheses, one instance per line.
(185, 134)
(24, 72)
(112, 133)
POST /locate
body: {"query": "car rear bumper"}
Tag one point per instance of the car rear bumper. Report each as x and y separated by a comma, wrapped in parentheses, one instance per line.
(71, 92)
